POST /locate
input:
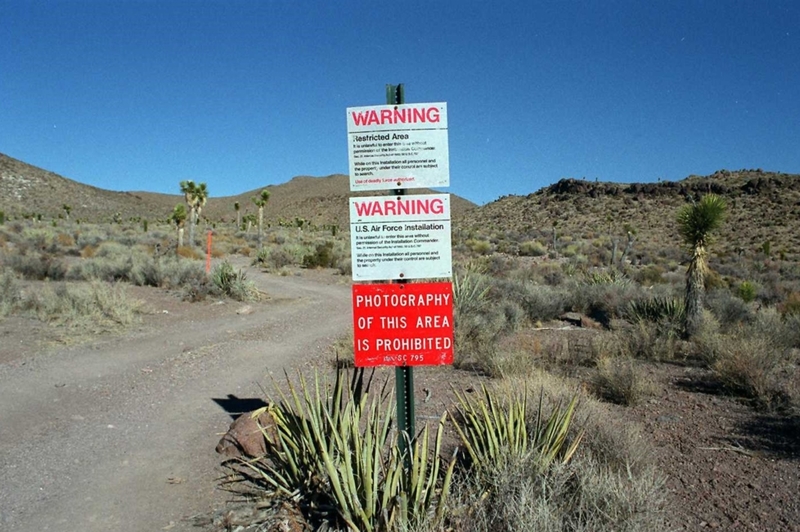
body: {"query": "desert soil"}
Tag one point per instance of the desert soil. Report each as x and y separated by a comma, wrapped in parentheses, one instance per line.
(118, 433)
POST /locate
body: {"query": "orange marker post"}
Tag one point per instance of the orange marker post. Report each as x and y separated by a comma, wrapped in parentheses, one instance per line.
(208, 253)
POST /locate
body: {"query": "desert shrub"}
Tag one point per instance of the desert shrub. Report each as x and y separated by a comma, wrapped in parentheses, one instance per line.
(620, 381)
(275, 258)
(729, 310)
(342, 353)
(604, 301)
(2, 217)
(539, 302)
(104, 267)
(480, 247)
(746, 291)
(188, 252)
(38, 266)
(345, 267)
(479, 323)
(95, 306)
(649, 275)
(751, 366)
(10, 293)
(653, 341)
(233, 283)
(532, 248)
(323, 256)
(609, 484)
(791, 306)
(64, 240)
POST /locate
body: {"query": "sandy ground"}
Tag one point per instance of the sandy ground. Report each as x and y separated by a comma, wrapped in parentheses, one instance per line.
(118, 433)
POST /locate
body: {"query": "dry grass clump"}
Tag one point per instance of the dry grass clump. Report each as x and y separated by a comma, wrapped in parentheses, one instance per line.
(609, 485)
(85, 308)
(620, 380)
(758, 361)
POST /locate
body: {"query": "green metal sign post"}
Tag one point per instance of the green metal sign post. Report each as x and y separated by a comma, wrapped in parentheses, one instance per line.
(404, 375)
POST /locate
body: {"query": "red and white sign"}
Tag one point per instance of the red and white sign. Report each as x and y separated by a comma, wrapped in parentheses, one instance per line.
(408, 324)
(398, 146)
(400, 237)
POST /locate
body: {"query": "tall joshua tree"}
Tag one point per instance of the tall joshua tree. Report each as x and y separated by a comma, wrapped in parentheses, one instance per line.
(196, 196)
(178, 217)
(261, 201)
(696, 222)
(237, 207)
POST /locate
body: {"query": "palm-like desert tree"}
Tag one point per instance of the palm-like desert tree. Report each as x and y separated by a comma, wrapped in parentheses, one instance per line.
(696, 222)
(261, 201)
(196, 196)
(178, 217)
(237, 208)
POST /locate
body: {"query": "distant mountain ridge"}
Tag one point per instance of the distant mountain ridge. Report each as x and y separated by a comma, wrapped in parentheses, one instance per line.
(26, 190)
(763, 207)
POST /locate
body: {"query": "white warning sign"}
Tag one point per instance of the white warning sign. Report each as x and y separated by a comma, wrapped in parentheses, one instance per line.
(398, 146)
(400, 237)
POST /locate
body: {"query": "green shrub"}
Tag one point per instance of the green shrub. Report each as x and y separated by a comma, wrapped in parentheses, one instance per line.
(233, 283)
(656, 309)
(2, 218)
(38, 267)
(747, 291)
(532, 248)
(322, 257)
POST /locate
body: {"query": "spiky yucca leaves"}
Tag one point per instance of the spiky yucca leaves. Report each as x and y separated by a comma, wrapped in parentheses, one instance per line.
(470, 293)
(696, 223)
(332, 451)
(233, 283)
(656, 309)
(494, 431)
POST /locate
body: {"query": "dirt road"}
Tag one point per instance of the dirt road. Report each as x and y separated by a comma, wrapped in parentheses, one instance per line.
(119, 435)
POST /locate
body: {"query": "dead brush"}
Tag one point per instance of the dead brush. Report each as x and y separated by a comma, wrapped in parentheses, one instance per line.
(621, 381)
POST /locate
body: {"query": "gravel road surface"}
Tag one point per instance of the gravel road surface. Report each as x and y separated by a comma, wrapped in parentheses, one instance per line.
(119, 434)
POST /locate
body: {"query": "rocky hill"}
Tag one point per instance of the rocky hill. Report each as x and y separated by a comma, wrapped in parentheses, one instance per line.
(763, 207)
(26, 190)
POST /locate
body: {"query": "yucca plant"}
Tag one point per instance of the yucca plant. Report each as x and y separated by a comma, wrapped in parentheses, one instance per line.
(604, 277)
(332, 451)
(656, 309)
(470, 293)
(493, 431)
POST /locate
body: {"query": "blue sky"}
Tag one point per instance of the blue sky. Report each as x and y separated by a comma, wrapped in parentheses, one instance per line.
(139, 94)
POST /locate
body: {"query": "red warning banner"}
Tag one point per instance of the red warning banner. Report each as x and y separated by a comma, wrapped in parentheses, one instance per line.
(408, 324)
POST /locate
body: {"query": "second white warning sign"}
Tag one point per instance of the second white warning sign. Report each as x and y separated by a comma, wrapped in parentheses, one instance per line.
(400, 237)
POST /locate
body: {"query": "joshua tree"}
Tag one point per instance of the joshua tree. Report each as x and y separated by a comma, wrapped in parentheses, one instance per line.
(178, 217)
(696, 222)
(196, 196)
(260, 201)
(236, 207)
(249, 220)
(67, 210)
